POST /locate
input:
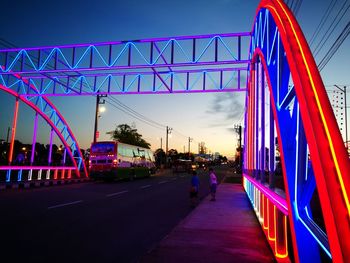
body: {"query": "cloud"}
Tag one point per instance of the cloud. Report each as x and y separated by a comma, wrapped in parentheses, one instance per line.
(227, 108)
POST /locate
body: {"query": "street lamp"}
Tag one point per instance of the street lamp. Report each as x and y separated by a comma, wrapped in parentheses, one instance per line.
(189, 146)
(98, 102)
(238, 130)
(102, 109)
(168, 131)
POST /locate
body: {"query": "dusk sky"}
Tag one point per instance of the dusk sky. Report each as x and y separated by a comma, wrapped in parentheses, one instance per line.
(205, 117)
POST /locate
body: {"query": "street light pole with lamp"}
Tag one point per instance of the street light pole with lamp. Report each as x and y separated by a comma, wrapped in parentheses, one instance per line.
(98, 102)
(189, 146)
(168, 131)
(238, 130)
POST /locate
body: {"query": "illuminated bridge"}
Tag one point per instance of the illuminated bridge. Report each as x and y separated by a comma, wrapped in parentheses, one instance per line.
(285, 99)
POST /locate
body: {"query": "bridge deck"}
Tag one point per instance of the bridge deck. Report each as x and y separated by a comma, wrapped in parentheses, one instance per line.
(223, 231)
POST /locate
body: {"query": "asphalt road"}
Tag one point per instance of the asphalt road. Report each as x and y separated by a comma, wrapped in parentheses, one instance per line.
(96, 221)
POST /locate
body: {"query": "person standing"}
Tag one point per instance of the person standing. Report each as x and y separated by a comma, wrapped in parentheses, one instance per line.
(194, 189)
(213, 184)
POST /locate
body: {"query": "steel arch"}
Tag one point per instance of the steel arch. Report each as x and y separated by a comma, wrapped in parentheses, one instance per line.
(279, 51)
(53, 117)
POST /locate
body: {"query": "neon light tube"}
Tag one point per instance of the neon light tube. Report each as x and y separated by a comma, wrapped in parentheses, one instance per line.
(36, 168)
(277, 200)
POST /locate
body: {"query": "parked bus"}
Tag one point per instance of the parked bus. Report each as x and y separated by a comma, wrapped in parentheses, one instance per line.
(111, 160)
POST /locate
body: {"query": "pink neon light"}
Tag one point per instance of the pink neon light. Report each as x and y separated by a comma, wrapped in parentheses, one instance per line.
(13, 133)
(34, 138)
(27, 167)
(124, 42)
(141, 92)
(61, 137)
(30, 104)
(49, 121)
(274, 198)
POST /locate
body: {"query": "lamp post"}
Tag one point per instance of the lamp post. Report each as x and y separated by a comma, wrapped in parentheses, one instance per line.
(168, 131)
(189, 146)
(238, 130)
(98, 102)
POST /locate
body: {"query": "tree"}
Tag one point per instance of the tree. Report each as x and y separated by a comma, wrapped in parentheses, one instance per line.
(126, 134)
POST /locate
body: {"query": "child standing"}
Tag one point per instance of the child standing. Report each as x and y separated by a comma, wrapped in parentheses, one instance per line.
(194, 189)
(213, 184)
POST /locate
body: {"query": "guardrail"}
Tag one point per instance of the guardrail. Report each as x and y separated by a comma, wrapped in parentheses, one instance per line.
(272, 212)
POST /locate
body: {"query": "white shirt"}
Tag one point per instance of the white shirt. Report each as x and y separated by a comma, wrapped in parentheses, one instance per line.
(213, 179)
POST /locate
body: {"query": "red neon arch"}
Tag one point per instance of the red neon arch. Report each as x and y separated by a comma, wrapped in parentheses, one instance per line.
(36, 109)
(330, 160)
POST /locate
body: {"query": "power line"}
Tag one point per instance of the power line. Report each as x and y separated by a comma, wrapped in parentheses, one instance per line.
(339, 41)
(331, 28)
(297, 7)
(132, 115)
(323, 21)
(136, 113)
(129, 111)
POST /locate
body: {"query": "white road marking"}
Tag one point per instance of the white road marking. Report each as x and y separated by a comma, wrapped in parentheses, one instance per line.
(182, 176)
(145, 186)
(65, 204)
(174, 179)
(118, 193)
(162, 182)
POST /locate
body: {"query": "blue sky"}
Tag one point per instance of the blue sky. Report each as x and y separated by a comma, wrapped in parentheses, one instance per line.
(204, 117)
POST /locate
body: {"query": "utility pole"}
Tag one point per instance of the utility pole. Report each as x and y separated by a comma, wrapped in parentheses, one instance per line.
(161, 143)
(98, 102)
(189, 146)
(168, 131)
(8, 134)
(238, 130)
(346, 115)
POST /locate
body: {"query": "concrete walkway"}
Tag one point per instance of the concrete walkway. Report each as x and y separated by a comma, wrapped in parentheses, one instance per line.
(226, 230)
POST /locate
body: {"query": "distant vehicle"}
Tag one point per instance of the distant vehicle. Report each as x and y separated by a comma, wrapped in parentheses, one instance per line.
(182, 165)
(111, 160)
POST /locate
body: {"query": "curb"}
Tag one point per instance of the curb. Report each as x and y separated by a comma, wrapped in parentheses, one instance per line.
(41, 183)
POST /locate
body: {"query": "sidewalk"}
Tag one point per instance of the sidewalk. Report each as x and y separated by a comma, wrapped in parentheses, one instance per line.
(223, 231)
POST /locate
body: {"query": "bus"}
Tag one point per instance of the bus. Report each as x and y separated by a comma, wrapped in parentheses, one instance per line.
(110, 160)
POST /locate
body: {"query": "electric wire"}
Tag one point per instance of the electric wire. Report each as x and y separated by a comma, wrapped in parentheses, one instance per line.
(338, 42)
(322, 22)
(331, 29)
(297, 8)
(135, 112)
(143, 117)
(132, 115)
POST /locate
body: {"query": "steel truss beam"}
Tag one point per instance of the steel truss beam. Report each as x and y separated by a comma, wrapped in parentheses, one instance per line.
(205, 63)
(185, 81)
